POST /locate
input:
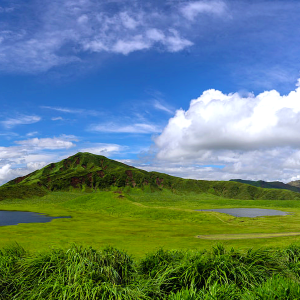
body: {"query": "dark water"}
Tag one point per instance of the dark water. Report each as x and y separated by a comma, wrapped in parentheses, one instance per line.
(8, 217)
(248, 212)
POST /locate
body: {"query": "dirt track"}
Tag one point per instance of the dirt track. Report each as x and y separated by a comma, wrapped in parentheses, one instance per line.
(239, 236)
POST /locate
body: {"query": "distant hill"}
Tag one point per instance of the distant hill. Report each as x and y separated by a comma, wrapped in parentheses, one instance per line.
(295, 183)
(271, 185)
(88, 172)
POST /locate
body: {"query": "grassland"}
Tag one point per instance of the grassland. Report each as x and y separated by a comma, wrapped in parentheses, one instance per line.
(160, 253)
(151, 216)
(141, 222)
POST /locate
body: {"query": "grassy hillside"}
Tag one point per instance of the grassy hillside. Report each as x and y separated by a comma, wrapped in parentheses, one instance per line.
(270, 185)
(88, 173)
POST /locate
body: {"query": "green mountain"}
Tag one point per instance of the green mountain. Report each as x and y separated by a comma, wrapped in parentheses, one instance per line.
(271, 185)
(88, 172)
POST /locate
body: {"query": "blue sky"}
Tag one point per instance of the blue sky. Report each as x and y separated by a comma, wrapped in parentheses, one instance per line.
(198, 89)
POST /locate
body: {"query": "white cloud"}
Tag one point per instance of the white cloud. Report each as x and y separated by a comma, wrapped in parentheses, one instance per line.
(34, 54)
(158, 105)
(4, 170)
(71, 111)
(128, 21)
(18, 161)
(21, 120)
(57, 119)
(132, 128)
(254, 137)
(192, 9)
(32, 133)
(103, 149)
(128, 46)
(68, 29)
(155, 34)
(7, 173)
(11, 152)
(174, 42)
(219, 121)
(49, 143)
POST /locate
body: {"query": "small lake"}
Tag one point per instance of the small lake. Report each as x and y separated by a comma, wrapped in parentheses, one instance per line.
(9, 217)
(248, 212)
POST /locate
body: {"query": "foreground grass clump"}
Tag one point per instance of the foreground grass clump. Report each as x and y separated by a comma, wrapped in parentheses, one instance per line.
(85, 273)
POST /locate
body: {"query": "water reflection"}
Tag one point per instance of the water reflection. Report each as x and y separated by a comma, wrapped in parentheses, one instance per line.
(248, 212)
(8, 217)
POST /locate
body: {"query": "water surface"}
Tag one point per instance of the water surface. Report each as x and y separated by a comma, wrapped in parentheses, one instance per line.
(248, 212)
(9, 217)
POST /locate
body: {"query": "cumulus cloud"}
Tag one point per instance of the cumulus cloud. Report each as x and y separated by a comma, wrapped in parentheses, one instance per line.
(7, 173)
(219, 121)
(21, 120)
(18, 161)
(254, 136)
(30, 155)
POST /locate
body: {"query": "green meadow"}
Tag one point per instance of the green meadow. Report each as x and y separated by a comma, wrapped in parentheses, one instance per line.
(141, 222)
(149, 243)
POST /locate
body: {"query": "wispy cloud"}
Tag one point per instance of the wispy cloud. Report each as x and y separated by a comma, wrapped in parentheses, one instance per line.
(68, 30)
(21, 120)
(32, 133)
(9, 134)
(71, 111)
(57, 119)
(142, 128)
(192, 9)
(8, 9)
(158, 105)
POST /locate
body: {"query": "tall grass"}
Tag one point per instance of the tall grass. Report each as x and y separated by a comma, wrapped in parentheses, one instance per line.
(86, 273)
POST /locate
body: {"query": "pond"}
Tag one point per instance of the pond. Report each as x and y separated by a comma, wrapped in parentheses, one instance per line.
(9, 217)
(248, 212)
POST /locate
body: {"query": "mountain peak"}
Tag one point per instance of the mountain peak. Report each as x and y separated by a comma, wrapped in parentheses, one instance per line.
(78, 165)
(90, 172)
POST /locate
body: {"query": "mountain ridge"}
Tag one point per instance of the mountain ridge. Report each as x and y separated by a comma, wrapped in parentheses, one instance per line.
(270, 184)
(89, 172)
(295, 183)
